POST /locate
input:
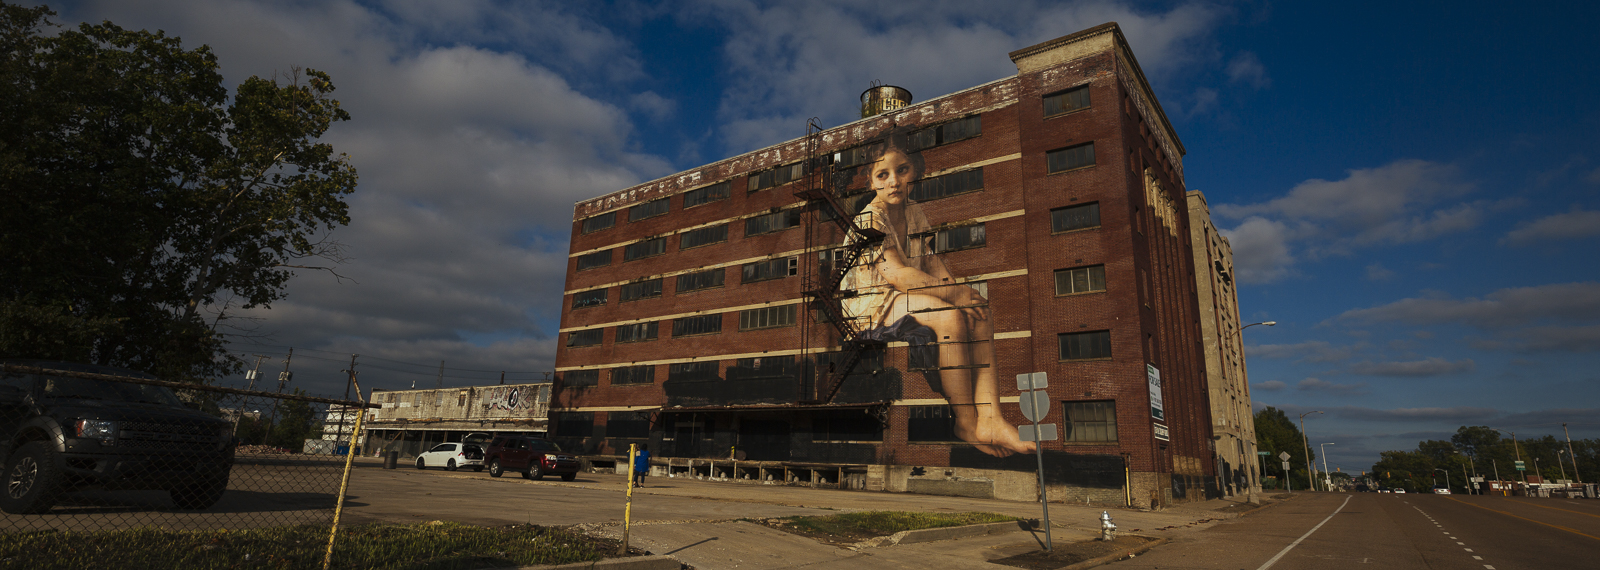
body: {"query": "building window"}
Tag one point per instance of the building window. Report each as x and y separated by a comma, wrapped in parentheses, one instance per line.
(649, 209)
(769, 269)
(1085, 345)
(842, 426)
(594, 224)
(701, 280)
(959, 129)
(1070, 158)
(641, 290)
(948, 185)
(707, 195)
(593, 260)
(643, 249)
(1075, 218)
(766, 318)
(593, 298)
(777, 176)
(931, 424)
(766, 367)
(633, 375)
(955, 239)
(852, 157)
(703, 324)
(1066, 101)
(580, 378)
(692, 371)
(772, 222)
(703, 236)
(574, 424)
(627, 425)
(1091, 421)
(638, 332)
(1080, 280)
(588, 337)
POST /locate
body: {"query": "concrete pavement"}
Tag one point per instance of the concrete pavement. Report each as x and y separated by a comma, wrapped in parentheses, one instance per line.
(698, 521)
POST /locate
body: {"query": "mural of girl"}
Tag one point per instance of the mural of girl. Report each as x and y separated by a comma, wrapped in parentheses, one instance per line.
(904, 289)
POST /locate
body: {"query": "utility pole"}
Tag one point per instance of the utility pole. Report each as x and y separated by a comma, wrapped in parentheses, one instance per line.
(254, 372)
(345, 413)
(283, 377)
(1570, 454)
(1311, 484)
(441, 374)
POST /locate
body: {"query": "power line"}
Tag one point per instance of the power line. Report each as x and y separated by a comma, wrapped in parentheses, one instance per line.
(433, 368)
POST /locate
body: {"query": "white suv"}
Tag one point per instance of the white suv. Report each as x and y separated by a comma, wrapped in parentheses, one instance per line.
(453, 456)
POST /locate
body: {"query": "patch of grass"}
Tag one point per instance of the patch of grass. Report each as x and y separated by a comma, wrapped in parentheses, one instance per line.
(431, 546)
(868, 524)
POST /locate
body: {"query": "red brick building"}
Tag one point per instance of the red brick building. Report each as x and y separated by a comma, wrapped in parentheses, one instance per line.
(731, 319)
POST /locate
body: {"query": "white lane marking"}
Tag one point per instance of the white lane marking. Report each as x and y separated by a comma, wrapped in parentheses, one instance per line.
(1462, 543)
(1488, 566)
(1477, 558)
(1297, 541)
(1467, 549)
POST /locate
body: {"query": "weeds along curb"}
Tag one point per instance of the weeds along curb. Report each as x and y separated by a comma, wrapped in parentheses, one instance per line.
(653, 562)
(1115, 556)
(946, 533)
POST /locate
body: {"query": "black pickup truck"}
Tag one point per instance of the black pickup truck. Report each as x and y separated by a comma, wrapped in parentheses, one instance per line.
(60, 433)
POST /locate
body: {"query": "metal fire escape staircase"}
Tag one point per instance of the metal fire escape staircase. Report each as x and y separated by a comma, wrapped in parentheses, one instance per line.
(823, 289)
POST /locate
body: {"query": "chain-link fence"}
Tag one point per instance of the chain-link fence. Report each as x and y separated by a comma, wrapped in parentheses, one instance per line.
(90, 448)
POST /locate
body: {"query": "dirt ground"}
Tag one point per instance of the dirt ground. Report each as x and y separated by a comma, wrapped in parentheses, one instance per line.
(1073, 553)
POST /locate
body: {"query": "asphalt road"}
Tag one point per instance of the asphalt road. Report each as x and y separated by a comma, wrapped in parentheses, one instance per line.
(1380, 531)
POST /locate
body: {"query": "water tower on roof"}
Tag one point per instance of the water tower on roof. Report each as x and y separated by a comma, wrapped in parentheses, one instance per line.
(880, 99)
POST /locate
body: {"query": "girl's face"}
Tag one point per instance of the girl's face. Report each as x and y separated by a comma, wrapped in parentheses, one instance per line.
(892, 176)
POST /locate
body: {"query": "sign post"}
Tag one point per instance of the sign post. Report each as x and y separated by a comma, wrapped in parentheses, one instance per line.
(1284, 457)
(1035, 405)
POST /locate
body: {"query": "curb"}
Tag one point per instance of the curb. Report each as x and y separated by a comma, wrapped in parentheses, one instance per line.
(653, 562)
(1115, 556)
(945, 533)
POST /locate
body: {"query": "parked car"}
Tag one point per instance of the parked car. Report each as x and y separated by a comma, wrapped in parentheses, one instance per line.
(452, 456)
(533, 457)
(1400, 491)
(1441, 491)
(60, 433)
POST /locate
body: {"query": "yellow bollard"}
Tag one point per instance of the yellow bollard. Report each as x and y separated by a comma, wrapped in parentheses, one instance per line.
(344, 483)
(627, 512)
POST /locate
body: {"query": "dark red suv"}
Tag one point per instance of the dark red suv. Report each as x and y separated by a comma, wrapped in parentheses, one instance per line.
(533, 457)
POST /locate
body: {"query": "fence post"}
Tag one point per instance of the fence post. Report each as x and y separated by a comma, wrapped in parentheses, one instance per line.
(349, 460)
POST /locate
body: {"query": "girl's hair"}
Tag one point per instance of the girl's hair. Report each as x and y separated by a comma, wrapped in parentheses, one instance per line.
(898, 139)
(644, 447)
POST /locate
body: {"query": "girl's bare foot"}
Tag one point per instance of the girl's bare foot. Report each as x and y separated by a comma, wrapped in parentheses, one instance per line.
(992, 435)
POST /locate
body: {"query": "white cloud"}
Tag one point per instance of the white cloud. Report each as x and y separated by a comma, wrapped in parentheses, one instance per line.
(1401, 202)
(1376, 272)
(1447, 415)
(1271, 385)
(1576, 224)
(471, 155)
(1593, 177)
(1502, 308)
(1320, 385)
(1309, 351)
(1417, 368)
(1247, 68)
(790, 61)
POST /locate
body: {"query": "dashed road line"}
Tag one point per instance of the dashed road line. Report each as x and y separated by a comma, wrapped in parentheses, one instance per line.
(1447, 534)
(1573, 531)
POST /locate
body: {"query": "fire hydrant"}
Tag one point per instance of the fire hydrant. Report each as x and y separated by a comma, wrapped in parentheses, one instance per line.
(1108, 529)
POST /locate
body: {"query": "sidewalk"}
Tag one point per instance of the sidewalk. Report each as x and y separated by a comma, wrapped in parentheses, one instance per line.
(728, 544)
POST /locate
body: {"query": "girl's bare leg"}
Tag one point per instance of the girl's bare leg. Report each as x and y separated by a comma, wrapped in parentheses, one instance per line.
(991, 426)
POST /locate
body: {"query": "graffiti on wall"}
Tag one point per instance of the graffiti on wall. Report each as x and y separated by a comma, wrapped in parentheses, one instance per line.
(514, 398)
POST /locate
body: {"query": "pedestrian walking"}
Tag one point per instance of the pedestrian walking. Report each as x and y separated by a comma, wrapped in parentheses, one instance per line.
(641, 465)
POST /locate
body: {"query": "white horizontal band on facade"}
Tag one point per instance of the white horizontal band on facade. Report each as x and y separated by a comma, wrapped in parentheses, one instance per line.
(790, 352)
(943, 402)
(968, 279)
(971, 166)
(1012, 334)
(608, 409)
(691, 228)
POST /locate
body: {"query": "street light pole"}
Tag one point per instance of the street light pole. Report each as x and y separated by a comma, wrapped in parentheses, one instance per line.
(1238, 335)
(1311, 484)
(1571, 455)
(1327, 478)
(1446, 477)
(1518, 451)
(1560, 463)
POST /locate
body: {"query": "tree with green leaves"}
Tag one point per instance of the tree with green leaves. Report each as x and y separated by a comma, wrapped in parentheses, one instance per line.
(1276, 433)
(140, 204)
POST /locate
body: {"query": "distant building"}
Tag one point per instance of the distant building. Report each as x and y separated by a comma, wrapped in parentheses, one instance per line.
(412, 421)
(1231, 415)
(853, 308)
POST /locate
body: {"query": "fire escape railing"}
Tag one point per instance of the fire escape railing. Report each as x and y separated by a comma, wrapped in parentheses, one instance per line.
(863, 233)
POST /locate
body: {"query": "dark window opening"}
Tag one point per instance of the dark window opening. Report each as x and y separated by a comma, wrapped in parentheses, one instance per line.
(596, 223)
(633, 375)
(1075, 217)
(593, 298)
(1081, 280)
(957, 130)
(641, 290)
(1066, 101)
(770, 269)
(580, 378)
(693, 371)
(703, 236)
(772, 222)
(707, 195)
(588, 337)
(627, 425)
(574, 424)
(704, 324)
(1085, 345)
(777, 176)
(846, 425)
(766, 318)
(1069, 158)
(1091, 421)
(638, 332)
(701, 280)
(649, 209)
(643, 249)
(593, 260)
(931, 424)
(948, 185)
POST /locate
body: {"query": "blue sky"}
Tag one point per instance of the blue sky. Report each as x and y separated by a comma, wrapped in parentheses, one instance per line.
(1412, 190)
